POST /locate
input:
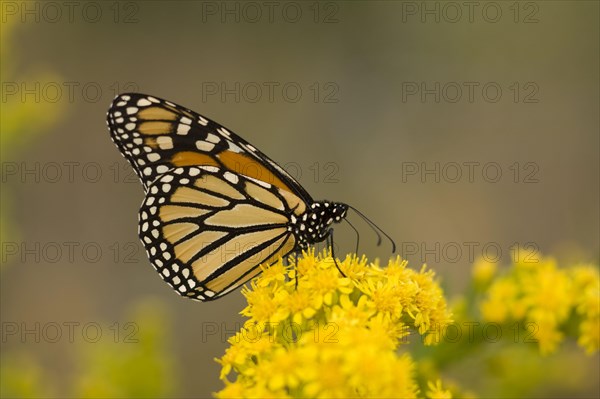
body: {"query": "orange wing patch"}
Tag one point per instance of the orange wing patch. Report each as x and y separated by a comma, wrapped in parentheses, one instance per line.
(190, 247)
(245, 215)
(157, 113)
(168, 213)
(176, 231)
(293, 202)
(216, 185)
(219, 283)
(189, 195)
(154, 127)
(263, 195)
(243, 164)
(190, 158)
(243, 272)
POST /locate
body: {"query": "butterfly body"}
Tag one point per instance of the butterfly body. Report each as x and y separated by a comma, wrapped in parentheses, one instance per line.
(216, 208)
(313, 226)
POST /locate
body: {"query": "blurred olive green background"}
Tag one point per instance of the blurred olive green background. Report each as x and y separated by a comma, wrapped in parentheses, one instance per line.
(351, 134)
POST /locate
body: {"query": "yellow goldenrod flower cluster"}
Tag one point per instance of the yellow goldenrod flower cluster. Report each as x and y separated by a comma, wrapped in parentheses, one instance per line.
(586, 284)
(547, 300)
(320, 334)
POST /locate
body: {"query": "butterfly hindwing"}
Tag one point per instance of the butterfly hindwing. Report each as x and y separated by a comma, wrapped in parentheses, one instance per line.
(206, 230)
(156, 135)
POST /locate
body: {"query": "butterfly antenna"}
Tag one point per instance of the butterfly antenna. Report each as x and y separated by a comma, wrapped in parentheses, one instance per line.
(371, 224)
(357, 235)
(375, 228)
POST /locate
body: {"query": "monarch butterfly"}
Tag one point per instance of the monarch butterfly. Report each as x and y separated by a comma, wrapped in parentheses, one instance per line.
(205, 225)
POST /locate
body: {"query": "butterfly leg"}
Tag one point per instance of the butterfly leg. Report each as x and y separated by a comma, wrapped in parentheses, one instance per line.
(296, 254)
(330, 243)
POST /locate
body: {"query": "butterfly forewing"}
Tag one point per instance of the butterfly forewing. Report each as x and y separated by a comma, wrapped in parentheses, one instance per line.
(157, 135)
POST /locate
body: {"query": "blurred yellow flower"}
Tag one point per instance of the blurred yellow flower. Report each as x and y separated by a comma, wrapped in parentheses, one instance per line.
(332, 336)
(436, 391)
(483, 272)
(22, 376)
(544, 296)
(263, 304)
(586, 285)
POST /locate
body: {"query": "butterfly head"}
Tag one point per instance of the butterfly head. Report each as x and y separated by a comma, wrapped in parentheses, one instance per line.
(313, 226)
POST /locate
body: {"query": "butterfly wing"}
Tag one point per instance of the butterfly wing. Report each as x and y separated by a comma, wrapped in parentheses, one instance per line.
(206, 230)
(156, 135)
